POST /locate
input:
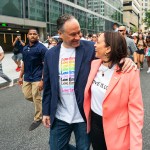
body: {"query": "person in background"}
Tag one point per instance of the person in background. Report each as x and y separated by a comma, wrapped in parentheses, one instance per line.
(113, 103)
(2, 75)
(31, 75)
(148, 52)
(129, 35)
(94, 38)
(89, 37)
(140, 31)
(115, 27)
(82, 37)
(49, 42)
(141, 45)
(135, 39)
(131, 47)
(53, 43)
(66, 69)
(17, 57)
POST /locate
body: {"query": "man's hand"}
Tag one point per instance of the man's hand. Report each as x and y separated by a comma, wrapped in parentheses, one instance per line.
(46, 121)
(128, 65)
(40, 86)
(20, 81)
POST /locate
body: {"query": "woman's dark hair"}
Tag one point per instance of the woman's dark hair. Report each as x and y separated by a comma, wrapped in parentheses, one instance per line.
(118, 47)
(147, 39)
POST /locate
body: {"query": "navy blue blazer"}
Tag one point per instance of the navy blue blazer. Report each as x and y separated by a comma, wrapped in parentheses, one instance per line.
(85, 53)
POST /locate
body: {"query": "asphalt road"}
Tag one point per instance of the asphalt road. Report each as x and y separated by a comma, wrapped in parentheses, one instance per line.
(16, 115)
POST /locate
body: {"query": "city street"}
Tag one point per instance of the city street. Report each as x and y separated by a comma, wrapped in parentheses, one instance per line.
(16, 115)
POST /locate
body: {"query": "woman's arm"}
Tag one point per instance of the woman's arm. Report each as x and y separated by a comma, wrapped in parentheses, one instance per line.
(136, 112)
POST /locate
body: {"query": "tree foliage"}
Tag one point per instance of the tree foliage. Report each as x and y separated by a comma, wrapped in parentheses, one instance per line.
(134, 29)
(147, 18)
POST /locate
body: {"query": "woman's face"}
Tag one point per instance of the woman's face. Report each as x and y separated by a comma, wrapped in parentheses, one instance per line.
(140, 36)
(100, 48)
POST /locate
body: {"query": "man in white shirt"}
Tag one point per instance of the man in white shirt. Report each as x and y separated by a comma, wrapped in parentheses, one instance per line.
(66, 69)
(130, 44)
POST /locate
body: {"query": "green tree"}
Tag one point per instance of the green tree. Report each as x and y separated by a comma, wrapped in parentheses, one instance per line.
(147, 18)
(134, 29)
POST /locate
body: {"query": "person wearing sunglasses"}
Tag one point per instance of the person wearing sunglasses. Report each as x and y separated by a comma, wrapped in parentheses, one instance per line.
(131, 47)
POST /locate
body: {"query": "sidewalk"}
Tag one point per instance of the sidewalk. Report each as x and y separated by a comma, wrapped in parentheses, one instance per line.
(9, 67)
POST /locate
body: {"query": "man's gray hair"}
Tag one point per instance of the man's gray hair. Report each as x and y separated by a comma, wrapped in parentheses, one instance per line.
(62, 19)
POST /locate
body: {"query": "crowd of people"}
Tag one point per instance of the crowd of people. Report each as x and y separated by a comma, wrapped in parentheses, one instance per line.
(91, 86)
(138, 44)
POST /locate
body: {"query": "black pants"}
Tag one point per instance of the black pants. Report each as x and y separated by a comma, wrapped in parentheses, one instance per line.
(97, 133)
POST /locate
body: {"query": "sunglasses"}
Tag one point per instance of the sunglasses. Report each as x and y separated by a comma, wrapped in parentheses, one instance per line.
(120, 30)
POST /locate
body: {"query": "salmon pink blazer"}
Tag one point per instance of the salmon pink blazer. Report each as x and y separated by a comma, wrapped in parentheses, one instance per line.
(122, 109)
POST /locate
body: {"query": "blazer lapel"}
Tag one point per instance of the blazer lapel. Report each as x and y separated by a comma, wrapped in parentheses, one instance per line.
(114, 80)
(94, 68)
(78, 59)
(56, 65)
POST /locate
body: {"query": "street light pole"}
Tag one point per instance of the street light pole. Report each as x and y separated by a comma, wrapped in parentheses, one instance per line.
(138, 21)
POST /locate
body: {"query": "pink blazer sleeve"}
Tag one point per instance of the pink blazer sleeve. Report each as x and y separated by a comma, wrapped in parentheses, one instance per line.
(136, 113)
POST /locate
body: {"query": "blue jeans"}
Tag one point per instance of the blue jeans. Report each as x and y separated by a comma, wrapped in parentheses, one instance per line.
(60, 134)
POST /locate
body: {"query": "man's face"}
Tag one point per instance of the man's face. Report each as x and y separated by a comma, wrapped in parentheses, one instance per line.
(71, 34)
(33, 36)
(114, 27)
(122, 30)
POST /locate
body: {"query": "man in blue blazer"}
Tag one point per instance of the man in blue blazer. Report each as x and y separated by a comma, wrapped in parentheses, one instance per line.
(66, 70)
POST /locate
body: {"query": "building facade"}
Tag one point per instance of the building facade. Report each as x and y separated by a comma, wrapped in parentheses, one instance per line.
(17, 16)
(132, 13)
(145, 7)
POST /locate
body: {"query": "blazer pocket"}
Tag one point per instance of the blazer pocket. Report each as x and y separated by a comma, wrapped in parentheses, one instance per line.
(122, 123)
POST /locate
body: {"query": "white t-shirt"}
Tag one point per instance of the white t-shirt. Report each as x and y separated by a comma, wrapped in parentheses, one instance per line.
(67, 108)
(1, 51)
(99, 88)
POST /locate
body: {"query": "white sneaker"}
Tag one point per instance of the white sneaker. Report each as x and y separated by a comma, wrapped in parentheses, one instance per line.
(11, 83)
(148, 71)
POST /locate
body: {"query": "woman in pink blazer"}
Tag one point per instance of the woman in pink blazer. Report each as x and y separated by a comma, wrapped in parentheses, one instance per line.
(113, 101)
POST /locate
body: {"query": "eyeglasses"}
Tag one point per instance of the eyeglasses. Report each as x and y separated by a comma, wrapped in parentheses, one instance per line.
(120, 30)
(94, 37)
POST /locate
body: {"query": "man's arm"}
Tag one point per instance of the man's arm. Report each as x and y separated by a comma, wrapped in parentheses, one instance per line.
(20, 80)
(40, 86)
(1, 56)
(22, 43)
(43, 51)
(133, 46)
(46, 101)
(14, 43)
